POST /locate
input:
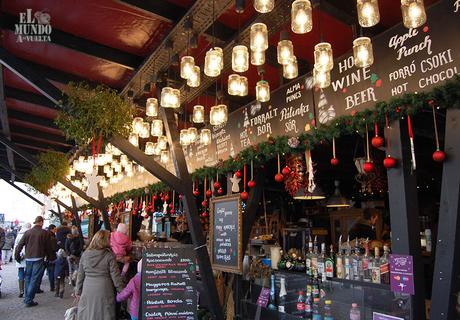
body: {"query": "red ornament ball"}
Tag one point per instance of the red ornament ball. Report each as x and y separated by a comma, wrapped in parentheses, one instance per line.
(334, 162)
(167, 197)
(220, 191)
(286, 170)
(204, 214)
(196, 193)
(171, 206)
(172, 211)
(279, 178)
(204, 203)
(368, 167)
(389, 162)
(208, 194)
(238, 174)
(244, 195)
(216, 185)
(377, 142)
(251, 184)
(146, 216)
(439, 156)
(155, 197)
(163, 199)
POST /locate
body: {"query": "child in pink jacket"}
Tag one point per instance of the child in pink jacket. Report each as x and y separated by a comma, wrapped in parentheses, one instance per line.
(133, 291)
(121, 245)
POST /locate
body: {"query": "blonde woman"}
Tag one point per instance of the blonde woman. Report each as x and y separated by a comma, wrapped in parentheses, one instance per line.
(98, 277)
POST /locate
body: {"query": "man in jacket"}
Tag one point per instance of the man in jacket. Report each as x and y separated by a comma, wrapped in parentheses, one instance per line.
(61, 234)
(37, 245)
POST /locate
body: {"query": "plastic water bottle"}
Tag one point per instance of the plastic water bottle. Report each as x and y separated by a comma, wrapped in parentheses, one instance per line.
(355, 314)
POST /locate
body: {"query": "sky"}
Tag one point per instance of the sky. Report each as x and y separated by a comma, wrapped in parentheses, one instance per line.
(16, 205)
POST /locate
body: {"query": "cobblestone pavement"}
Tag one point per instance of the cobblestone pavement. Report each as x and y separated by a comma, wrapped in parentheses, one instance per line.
(49, 307)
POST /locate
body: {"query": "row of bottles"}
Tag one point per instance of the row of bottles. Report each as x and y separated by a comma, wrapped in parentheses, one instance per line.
(349, 263)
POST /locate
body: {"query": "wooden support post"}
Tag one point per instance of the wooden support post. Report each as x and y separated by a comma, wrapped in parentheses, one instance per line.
(405, 229)
(103, 209)
(446, 277)
(61, 217)
(77, 217)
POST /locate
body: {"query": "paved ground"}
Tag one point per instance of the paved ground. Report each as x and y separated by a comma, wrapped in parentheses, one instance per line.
(12, 307)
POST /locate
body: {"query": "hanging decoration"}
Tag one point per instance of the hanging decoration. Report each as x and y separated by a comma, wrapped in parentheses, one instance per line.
(252, 183)
(389, 162)
(412, 145)
(244, 195)
(301, 16)
(363, 52)
(368, 13)
(377, 141)
(438, 155)
(311, 185)
(413, 12)
(334, 160)
(263, 91)
(368, 166)
(151, 107)
(279, 177)
(264, 6)
(235, 180)
(293, 172)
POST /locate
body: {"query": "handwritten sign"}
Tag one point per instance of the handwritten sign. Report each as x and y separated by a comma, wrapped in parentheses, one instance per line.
(168, 278)
(226, 234)
(402, 274)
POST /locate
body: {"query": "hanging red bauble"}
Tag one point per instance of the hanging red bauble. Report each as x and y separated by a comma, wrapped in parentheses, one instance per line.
(204, 203)
(163, 199)
(377, 142)
(279, 177)
(244, 195)
(167, 197)
(220, 191)
(286, 170)
(208, 194)
(439, 156)
(334, 162)
(171, 206)
(146, 216)
(180, 197)
(389, 162)
(172, 211)
(216, 185)
(155, 197)
(204, 214)
(251, 184)
(238, 174)
(196, 193)
(368, 167)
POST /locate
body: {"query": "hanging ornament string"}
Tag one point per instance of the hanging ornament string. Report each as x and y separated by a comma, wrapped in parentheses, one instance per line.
(388, 134)
(367, 145)
(279, 164)
(333, 148)
(244, 177)
(435, 128)
(97, 150)
(412, 146)
(311, 186)
(252, 170)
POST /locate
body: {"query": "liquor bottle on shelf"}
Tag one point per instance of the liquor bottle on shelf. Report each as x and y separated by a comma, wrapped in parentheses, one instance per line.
(322, 263)
(308, 306)
(339, 266)
(385, 266)
(308, 258)
(328, 310)
(299, 264)
(300, 306)
(272, 298)
(348, 264)
(316, 314)
(314, 258)
(282, 295)
(376, 266)
(367, 263)
(355, 314)
(329, 264)
(315, 288)
(357, 263)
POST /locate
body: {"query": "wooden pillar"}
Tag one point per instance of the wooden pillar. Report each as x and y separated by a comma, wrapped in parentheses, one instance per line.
(446, 277)
(76, 217)
(405, 228)
(103, 208)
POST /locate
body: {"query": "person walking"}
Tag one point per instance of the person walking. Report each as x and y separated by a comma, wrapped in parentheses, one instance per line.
(61, 234)
(37, 245)
(21, 265)
(60, 272)
(8, 245)
(98, 276)
(50, 265)
(73, 248)
(132, 292)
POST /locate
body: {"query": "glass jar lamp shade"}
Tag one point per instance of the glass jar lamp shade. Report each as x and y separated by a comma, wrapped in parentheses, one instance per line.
(164, 157)
(362, 52)
(213, 62)
(218, 115)
(187, 63)
(324, 60)
(413, 12)
(149, 148)
(134, 139)
(285, 51)
(170, 98)
(257, 58)
(205, 137)
(301, 16)
(157, 150)
(233, 84)
(368, 12)
(195, 78)
(151, 107)
(263, 91)
(198, 114)
(157, 128)
(123, 159)
(184, 138)
(322, 79)
(137, 124)
(264, 6)
(290, 69)
(162, 142)
(145, 131)
(259, 37)
(243, 86)
(192, 134)
(240, 58)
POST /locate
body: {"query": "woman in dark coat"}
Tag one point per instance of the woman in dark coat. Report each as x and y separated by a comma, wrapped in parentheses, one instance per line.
(98, 277)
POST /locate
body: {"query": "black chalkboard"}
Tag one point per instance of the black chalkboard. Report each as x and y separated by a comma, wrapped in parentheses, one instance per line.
(226, 234)
(168, 283)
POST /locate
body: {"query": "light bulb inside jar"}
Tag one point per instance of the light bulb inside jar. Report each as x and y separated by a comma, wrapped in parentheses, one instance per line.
(368, 12)
(363, 53)
(198, 114)
(205, 137)
(262, 91)
(164, 158)
(157, 128)
(186, 67)
(285, 51)
(259, 37)
(151, 107)
(264, 6)
(257, 58)
(413, 12)
(322, 79)
(162, 142)
(240, 58)
(134, 139)
(323, 57)
(192, 134)
(137, 124)
(194, 80)
(170, 97)
(290, 69)
(184, 138)
(301, 16)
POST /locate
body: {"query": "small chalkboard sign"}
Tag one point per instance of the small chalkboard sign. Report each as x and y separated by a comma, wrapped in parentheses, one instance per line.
(226, 234)
(168, 283)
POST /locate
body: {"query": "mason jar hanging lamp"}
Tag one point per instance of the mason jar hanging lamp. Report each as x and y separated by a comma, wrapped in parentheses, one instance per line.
(205, 137)
(186, 67)
(156, 150)
(290, 69)
(413, 12)
(262, 91)
(233, 84)
(362, 52)
(137, 124)
(285, 51)
(194, 80)
(324, 60)
(218, 115)
(184, 138)
(243, 86)
(240, 58)
(164, 158)
(213, 62)
(170, 98)
(322, 79)
(198, 114)
(192, 134)
(259, 37)
(151, 107)
(157, 128)
(134, 139)
(264, 6)
(149, 148)
(145, 131)
(257, 58)
(301, 16)
(162, 142)
(368, 13)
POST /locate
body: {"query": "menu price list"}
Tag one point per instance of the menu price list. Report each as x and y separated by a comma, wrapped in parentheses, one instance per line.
(168, 291)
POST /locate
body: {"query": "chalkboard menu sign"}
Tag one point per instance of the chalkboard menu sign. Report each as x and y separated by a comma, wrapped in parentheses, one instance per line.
(168, 278)
(226, 234)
